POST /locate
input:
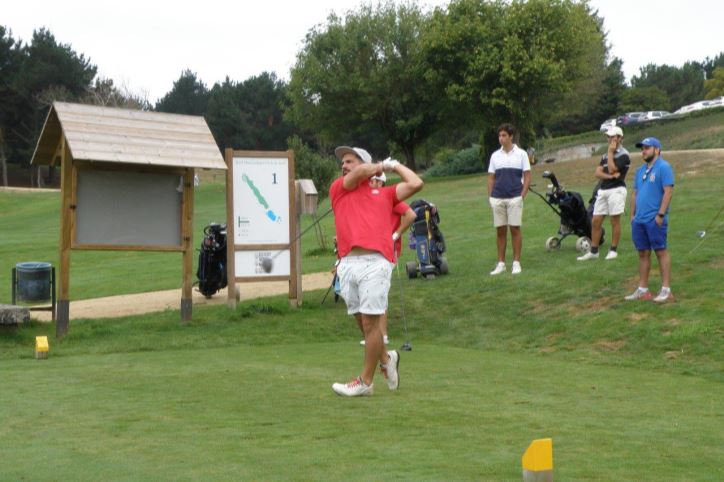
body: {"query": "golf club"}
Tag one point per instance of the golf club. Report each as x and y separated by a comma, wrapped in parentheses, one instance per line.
(702, 234)
(407, 346)
(267, 262)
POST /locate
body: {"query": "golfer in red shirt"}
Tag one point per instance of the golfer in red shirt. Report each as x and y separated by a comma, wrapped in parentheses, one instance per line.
(362, 216)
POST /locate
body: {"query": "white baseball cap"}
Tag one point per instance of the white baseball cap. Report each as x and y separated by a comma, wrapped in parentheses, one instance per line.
(357, 151)
(614, 131)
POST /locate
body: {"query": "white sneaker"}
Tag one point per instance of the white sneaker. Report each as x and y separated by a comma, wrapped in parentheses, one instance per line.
(355, 388)
(385, 339)
(390, 371)
(516, 268)
(639, 294)
(499, 268)
(588, 256)
(664, 295)
(612, 255)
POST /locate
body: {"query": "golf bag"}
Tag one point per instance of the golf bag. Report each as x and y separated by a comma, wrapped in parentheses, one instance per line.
(575, 217)
(428, 242)
(212, 260)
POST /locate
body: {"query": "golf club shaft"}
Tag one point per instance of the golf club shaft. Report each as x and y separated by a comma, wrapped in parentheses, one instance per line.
(402, 298)
(288, 246)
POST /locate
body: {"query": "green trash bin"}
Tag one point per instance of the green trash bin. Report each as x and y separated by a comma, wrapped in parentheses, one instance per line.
(33, 281)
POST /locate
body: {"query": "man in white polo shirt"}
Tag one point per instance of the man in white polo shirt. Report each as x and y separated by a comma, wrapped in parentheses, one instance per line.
(508, 182)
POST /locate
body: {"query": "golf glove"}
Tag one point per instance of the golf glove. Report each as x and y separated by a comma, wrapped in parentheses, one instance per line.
(395, 236)
(389, 164)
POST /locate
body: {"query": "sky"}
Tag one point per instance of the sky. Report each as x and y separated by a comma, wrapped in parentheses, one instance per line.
(145, 45)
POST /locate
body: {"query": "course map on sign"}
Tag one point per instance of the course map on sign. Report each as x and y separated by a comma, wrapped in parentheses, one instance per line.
(270, 214)
(261, 200)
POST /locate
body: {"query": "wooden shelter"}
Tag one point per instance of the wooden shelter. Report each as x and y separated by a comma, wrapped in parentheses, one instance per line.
(126, 183)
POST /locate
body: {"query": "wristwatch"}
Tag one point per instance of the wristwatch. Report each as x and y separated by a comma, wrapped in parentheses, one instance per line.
(660, 214)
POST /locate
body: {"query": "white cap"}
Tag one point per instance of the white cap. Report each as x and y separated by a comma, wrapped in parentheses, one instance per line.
(381, 177)
(614, 131)
(357, 151)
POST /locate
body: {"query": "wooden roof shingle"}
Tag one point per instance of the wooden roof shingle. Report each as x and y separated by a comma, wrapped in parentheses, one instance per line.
(109, 134)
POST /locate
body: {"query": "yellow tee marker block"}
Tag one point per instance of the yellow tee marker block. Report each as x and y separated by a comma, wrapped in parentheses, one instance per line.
(538, 461)
(41, 347)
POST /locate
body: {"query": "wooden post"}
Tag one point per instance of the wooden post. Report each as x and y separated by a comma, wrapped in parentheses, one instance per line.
(295, 248)
(66, 215)
(230, 256)
(187, 224)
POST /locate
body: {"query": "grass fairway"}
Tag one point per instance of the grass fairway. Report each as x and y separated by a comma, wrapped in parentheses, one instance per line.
(267, 413)
(627, 391)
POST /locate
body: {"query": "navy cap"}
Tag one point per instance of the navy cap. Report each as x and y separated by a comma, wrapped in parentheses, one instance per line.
(649, 142)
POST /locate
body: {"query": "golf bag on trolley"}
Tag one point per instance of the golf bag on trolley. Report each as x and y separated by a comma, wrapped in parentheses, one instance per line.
(575, 217)
(427, 241)
(212, 260)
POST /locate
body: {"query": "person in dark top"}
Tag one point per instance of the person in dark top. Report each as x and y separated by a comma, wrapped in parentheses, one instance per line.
(611, 200)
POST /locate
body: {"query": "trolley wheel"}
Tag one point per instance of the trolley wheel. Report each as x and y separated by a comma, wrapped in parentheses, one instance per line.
(444, 268)
(553, 243)
(583, 244)
(411, 268)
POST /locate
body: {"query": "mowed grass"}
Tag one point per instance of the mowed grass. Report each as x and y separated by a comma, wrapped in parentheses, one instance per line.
(267, 413)
(627, 391)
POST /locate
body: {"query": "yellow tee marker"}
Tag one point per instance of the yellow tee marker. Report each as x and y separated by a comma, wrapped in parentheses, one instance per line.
(538, 461)
(41, 347)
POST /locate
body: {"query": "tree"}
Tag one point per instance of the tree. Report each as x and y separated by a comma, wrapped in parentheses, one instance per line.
(711, 64)
(360, 80)
(682, 85)
(104, 92)
(513, 62)
(249, 115)
(188, 96)
(715, 85)
(40, 72)
(9, 59)
(643, 99)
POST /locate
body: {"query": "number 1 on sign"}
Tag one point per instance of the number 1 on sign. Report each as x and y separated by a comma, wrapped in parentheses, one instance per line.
(274, 175)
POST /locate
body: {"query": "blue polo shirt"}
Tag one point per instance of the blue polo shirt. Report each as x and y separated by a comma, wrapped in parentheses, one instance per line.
(649, 185)
(508, 168)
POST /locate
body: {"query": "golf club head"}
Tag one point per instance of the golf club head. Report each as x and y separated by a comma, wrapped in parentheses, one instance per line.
(407, 346)
(267, 264)
(546, 174)
(700, 234)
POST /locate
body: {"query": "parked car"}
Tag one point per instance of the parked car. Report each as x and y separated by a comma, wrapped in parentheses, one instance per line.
(655, 114)
(630, 118)
(607, 125)
(702, 104)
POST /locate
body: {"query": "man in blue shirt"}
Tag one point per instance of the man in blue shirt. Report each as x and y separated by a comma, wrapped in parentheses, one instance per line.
(653, 189)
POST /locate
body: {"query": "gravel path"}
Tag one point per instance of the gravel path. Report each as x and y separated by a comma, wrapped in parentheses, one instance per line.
(139, 303)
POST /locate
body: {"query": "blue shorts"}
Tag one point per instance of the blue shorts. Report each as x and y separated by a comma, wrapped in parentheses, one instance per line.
(649, 235)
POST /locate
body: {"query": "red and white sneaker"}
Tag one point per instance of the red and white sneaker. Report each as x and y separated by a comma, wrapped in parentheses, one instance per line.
(639, 294)
(390, 371)
(664, 295)
(355, 388)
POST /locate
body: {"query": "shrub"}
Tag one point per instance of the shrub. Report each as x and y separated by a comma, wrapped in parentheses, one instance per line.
(309, 164)
(465, 161)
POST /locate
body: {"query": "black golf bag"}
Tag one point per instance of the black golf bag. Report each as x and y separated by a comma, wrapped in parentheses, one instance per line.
(427, 241)
(212, 260)
(575, 217)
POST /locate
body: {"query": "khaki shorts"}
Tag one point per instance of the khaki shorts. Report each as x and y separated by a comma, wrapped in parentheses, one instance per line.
(610, 202)
(507, 212)
(365, 282)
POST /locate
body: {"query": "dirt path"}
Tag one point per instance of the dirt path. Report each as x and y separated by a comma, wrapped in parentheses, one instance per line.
(136, 304)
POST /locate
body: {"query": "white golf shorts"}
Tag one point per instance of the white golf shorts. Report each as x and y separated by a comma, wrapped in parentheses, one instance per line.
(507, 212)
(610, 202)
(365, 283)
